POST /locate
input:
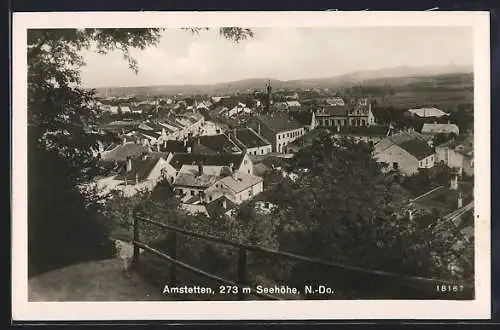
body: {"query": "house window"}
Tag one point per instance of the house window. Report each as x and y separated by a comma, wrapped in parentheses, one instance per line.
(210, 198)
(261, 151)
(192, 192)
(395, 165)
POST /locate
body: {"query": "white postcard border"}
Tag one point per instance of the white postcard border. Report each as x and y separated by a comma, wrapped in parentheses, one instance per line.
(252, 310)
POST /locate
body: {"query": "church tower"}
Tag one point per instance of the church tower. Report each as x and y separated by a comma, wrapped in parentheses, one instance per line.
(268, 99)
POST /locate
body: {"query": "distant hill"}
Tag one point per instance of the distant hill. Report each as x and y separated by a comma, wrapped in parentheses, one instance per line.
(394, 76)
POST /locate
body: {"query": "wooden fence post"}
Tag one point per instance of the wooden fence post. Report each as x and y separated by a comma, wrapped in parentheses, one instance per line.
(136, 238)
(242, 272)
(173, 254)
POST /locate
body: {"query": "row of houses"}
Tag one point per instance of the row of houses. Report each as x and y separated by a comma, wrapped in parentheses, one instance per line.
(409, 151)
(157, 133)
(201, 181)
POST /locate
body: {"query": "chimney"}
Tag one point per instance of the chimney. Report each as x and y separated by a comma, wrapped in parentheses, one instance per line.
(200, 170)
(459, 200)
(101, 146)
(224, 203)
(129, 164)
(454, 181)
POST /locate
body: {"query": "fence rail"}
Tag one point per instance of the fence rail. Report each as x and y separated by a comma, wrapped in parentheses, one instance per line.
(427, 285)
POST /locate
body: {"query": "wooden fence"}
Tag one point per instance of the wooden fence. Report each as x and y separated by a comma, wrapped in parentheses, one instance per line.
(429, 287)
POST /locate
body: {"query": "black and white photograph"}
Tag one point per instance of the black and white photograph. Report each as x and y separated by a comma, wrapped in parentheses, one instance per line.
(256, 165)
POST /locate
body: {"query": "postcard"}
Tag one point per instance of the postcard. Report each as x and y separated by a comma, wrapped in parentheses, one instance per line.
(251, 166)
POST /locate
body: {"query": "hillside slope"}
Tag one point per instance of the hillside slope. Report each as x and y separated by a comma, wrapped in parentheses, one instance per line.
(92, 281)
(396, 75)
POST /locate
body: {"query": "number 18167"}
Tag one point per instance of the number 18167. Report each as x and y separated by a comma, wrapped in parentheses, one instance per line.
(449, 288)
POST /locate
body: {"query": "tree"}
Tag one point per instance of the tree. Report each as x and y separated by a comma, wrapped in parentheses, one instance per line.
(65, 223)
(344, 210)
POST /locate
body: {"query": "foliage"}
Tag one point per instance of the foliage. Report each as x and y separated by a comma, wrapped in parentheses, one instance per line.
(443, 138)
(427, 179)
(344, 200)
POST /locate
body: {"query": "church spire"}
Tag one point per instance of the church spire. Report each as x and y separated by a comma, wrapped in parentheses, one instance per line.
(269, 91)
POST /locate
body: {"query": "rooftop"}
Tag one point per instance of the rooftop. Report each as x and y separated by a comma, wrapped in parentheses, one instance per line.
(180, 159)
(279, 122)
(192, 179)
(218, 143)
(141, 168)
(240, 181)
(122, 151)
(249, 138)
(428, 112)
(220, 204)
(334, 110)
(175, 146)
(417, 148)
(440, 128)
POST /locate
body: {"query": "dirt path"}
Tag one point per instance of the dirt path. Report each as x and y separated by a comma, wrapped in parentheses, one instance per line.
(93, 281)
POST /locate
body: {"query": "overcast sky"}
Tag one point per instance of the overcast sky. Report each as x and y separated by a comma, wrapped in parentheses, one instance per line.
(280, 53)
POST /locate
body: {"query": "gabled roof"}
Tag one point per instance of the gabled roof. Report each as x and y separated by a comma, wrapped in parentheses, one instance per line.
(198, 148)
(192, 179)
(240, 181)
(428, 112)
(180, 159)
(279, 122)
(148, 134)
(398, 139)
(417, 148)
(407, 136)
(122, 151)
(218, 143)
(141, 168)
(175, 146)
(218, 204)
(248, 138)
